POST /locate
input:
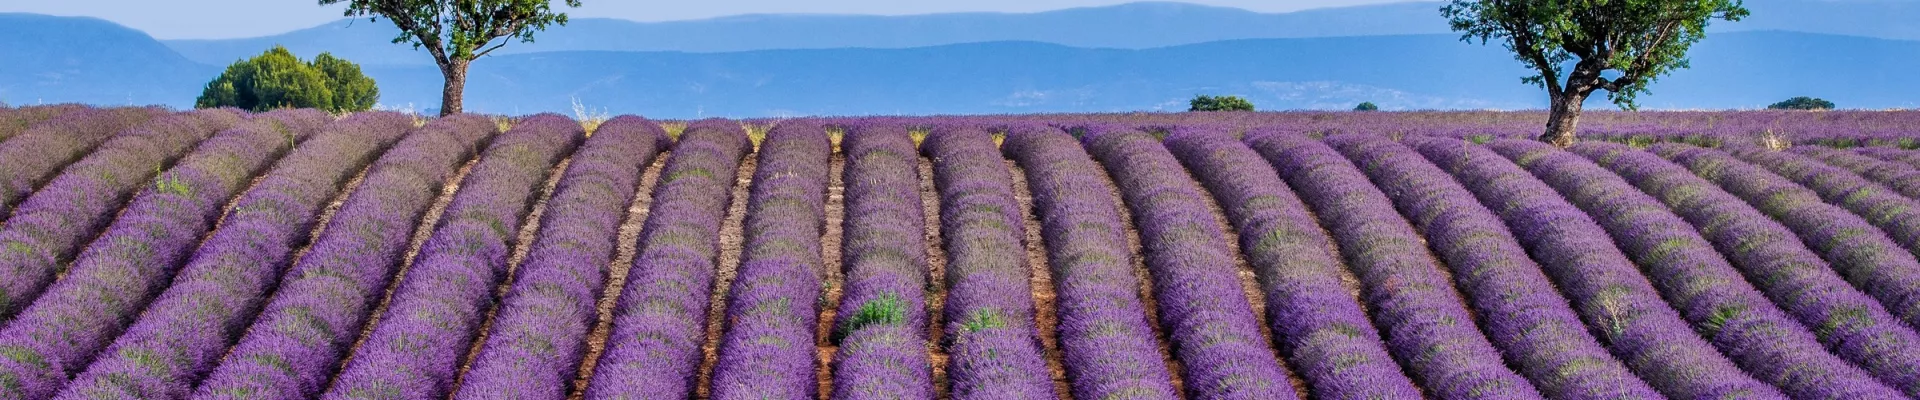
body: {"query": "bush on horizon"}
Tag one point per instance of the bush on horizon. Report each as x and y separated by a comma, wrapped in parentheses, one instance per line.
(278, 79)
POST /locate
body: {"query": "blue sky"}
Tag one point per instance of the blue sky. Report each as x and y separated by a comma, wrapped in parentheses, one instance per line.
(197, 19)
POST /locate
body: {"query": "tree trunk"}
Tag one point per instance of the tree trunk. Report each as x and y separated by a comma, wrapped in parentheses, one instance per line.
(453, 97)
(1565, 115)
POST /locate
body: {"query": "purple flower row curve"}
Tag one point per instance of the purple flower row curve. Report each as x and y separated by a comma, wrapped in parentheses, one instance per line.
(1426, 323)
(773, 308)
(179, 337)
(1901, 177)
(35, 155)
(882, 319)
(1896, 215)
(991, 336)
(659, 322)
(13, 121)
(1849, 322)
(540, 331)
(52, 225)
(1110, 348)
(134, 259)
(1519, 307)
(293, 346)
(430, 323)
(1214, 331)
(1729, 312)
(1859, 251)
(1618, 303)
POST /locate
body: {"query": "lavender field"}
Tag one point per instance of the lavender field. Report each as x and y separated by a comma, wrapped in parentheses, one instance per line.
(220, 254)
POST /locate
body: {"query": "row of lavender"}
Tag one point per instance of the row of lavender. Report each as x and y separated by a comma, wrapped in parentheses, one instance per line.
(1523, 239)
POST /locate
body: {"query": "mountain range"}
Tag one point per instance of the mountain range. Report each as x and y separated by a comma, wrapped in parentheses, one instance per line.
(1142, 56)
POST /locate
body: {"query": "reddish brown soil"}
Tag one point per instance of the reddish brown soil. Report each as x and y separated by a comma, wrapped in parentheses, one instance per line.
(1046, 314)
(1145, 277)
(832, 275)
(625, 250)
(937, 282)
(1251, 285)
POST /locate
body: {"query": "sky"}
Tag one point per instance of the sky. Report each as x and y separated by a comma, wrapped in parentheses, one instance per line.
(217, 19)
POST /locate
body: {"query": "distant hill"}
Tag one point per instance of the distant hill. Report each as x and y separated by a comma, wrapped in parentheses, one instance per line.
(55, 59)
(62, 59)
(1126, 26)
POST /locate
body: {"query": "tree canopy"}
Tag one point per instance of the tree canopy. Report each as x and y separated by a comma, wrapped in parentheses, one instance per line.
(1802, 103)
(278, 79)
(1219, 103)
(457, 32)
(1366, 106)
(1579, 47)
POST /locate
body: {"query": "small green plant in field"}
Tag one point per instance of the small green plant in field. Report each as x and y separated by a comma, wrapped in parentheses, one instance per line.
(171, 183)
(888, 309)
(982, 320)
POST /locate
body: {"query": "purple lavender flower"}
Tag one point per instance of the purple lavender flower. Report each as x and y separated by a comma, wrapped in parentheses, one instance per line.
(1604, 286)
(660, 319)
(13, 121)
(293, 346)
(882, 319)
(1111, 350)
(33, 156)
(1697, 281)
(993, 345)
(1901, 177)
(1896, 215)
(1427, 325)
(227, 279)
(1522, 312)
(117, 275)
(1863, 254)
(1849, 322)
(52, 225)
(434, 314)
(773, 307)
(540, 331)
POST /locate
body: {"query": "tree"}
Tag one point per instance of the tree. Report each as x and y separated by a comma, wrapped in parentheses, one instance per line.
(1220, 103)
(1366, 106)
(1802, 103)
(457, 32)
(1578, 47)
(274, 79)
(352, 90)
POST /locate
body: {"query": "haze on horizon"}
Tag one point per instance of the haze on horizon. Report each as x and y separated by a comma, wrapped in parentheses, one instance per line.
(222, 19)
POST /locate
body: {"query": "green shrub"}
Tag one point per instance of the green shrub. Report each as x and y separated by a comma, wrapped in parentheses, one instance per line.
(278, 79)
(1802, 103)
(1366, 106)
(1220, 103)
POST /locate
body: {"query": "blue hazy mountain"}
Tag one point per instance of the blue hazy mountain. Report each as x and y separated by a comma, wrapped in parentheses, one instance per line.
(57, 59)
(1126, 26)
(62, 59)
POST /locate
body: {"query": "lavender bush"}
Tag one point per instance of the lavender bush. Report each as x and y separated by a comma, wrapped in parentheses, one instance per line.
(51, 226)
(117, 275)
(293, 346)
(1619, 303)
(1850, 323)
(1901, 177)
(1520, 309)
(1697, 281)
(33, 156)
(881, 324)
(434, 314)
(13, 121)
(540, 330)
(179, 337)
(1896, 215)
(1427, 325)
(1213, 329)
(1859, 251)
(1110, 350)
(773, 308)
(992, 341)
(660, 319)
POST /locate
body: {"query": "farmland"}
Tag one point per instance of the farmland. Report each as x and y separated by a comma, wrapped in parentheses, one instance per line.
(293, 254)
